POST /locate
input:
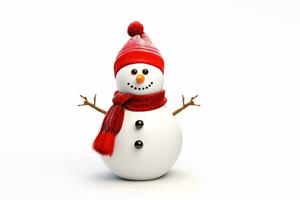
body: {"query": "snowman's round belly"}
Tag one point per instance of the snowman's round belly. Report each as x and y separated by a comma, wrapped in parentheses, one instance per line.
(148, 149)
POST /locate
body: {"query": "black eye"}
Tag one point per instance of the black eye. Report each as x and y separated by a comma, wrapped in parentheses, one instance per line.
(133, 71)
(145, 71)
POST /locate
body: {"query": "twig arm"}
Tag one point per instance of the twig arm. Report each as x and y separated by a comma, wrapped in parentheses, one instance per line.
(185, 105)
(92, 105)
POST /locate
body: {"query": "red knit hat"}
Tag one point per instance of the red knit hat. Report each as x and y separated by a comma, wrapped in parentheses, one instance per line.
(138, 49)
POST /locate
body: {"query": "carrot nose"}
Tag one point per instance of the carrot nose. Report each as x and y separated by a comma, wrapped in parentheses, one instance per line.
(140, 78)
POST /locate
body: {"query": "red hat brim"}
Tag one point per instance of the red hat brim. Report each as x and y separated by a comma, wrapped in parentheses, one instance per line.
(139, 56)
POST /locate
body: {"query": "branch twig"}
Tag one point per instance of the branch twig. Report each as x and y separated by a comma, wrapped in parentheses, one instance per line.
(185, 105)
(93, 105)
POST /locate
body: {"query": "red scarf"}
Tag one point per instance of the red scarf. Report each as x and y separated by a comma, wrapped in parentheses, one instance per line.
(113, 120)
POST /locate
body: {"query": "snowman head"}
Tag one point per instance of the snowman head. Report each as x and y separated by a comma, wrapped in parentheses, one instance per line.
(139, 67)
(139, 79)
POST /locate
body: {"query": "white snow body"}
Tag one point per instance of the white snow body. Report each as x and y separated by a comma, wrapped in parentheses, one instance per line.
(162, 141)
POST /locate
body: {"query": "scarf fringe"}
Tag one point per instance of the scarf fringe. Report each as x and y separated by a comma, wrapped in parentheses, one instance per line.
(104, 143)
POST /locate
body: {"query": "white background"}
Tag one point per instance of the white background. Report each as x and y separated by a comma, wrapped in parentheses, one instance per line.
(241, 57)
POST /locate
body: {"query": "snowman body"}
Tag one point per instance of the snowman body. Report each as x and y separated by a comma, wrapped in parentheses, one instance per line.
(139, 145)
(161, 140)
(148, 149)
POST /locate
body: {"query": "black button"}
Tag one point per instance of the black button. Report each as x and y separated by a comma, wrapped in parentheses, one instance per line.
(138, 144)
(139, 124)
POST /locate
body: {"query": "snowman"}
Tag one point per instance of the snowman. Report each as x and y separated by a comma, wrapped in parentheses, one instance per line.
(140, 138)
